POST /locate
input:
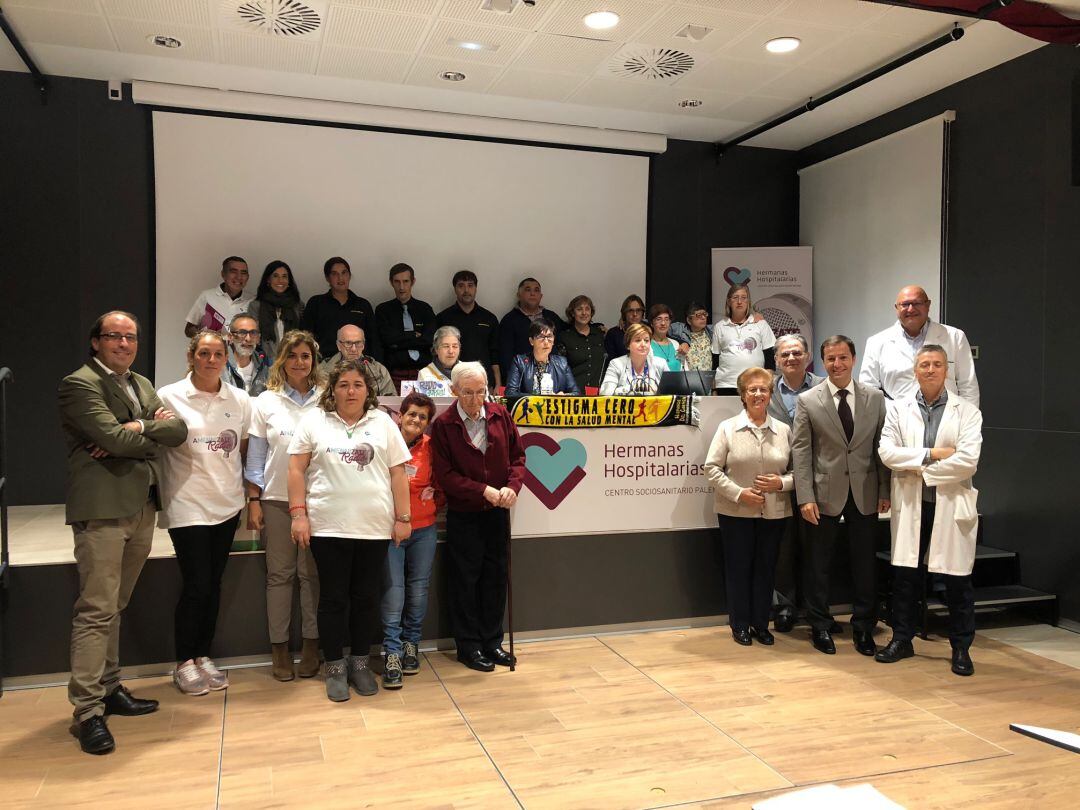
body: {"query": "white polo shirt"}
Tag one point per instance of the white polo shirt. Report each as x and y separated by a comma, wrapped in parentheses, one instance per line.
(203, 478)
(348, 479)
(213, 309)
(739, 346)
(274, 417)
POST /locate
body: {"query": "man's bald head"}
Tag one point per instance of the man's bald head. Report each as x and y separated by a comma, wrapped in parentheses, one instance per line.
(351, 342)
(912, 308)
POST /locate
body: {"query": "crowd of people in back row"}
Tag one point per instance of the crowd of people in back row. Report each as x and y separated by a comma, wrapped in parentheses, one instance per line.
(346, 497)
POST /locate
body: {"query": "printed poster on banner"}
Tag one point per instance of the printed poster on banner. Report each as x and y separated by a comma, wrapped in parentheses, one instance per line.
(781, 285)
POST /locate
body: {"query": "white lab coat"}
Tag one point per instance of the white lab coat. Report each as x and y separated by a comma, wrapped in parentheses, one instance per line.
(956, 518)
(888, 362)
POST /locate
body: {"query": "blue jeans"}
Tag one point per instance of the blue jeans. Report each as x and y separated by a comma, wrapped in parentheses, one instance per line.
(408, 568)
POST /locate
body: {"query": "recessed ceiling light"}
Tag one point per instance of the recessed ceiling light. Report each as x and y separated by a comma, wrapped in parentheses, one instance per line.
(452, 76)
(471, 44)
(601, 20)
(782, 44)
(690, 102)
(164, 41)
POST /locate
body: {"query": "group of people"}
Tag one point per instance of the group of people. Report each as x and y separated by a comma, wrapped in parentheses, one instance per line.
(346, 498)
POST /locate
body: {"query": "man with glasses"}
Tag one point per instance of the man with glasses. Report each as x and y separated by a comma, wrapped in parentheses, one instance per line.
(114, 427)
(889, 359)
(351, 343)
(214, 308)
(248, 366)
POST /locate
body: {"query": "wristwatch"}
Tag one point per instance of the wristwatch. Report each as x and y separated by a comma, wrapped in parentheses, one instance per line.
(404, 518)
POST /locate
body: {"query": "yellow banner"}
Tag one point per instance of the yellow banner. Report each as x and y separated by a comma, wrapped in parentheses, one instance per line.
(586, 412)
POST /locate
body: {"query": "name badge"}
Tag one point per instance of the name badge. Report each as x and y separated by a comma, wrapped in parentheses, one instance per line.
(410, 470)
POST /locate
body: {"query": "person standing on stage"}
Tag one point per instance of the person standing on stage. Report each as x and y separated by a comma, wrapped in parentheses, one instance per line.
(406, 327)
(514, 327)
(115, 427)
(890, 354)
(932, 443)
(339, 306)
(478, 328)
(215, 308)
(479, 463)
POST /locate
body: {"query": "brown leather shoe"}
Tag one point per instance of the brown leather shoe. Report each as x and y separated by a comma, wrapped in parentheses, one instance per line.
(282, 658)
(309, 659)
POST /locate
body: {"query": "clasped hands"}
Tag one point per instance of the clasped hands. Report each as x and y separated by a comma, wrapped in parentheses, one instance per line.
(755, 495)
(504, 497)
(135, 426)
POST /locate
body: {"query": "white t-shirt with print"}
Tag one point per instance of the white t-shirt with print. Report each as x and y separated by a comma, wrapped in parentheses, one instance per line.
(274, 417)
(348, 479)
(213, 309)
(203, 478)
(739, 346)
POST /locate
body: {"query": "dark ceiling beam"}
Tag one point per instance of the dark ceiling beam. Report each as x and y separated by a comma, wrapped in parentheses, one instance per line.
(41, 82)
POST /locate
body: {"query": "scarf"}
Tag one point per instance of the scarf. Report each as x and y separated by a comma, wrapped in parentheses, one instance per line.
(273, 306)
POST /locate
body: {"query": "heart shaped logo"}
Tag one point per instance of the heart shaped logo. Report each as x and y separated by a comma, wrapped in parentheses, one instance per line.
(737, 275)
(552, 469)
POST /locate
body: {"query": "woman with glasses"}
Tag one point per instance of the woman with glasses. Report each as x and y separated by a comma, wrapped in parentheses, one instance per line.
(638, 372)
(631, 311)
(697, 334)
(582, 344)
(277, 307)
(663, 347)
(740, 341)
(541, 371)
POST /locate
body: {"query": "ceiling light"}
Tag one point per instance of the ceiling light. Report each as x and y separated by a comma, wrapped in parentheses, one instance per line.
(601, 20)
(452, 76)
(164, 42)
(687, 103)
(782, 44)
(471, 45)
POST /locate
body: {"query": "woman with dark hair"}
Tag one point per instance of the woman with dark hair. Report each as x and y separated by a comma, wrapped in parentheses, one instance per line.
(631, 311)
(541, 371)
(202, 492)
(292, 391)
(277, 306)
(664, 348)
(582, 344)
(697, 334)
(408, 563)
(740, 340)
(348, 497)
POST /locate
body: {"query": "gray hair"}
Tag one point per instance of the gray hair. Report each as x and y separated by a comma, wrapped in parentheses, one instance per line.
(240, 316)
(793, 336)
(442, 332)
(931, 348)
(465, 369)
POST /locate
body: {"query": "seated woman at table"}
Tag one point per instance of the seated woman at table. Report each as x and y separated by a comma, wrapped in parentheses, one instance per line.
(749, 465)
(445, 351)
(540, 371)
(637, 372)
(665, 349)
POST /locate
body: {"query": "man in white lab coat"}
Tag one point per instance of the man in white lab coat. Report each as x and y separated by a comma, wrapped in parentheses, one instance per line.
(889, 356)
(932, 442)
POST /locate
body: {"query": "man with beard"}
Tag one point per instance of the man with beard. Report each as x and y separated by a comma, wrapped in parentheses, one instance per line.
(248, 366)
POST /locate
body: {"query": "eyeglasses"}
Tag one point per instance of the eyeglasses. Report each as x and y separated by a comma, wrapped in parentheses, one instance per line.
(911, 304)
(740, 298)
(245, 333)
(546, 338)
(351, 344)
(116, 337)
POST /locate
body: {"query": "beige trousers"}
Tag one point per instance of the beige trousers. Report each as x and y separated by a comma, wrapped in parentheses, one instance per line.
(285, 563)
(109, 555)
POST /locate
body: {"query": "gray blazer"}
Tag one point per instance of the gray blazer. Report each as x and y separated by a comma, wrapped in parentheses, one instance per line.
(776, 405)
(826, 465)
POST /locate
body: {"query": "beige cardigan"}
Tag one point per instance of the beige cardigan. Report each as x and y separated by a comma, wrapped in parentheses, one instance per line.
(736, 456)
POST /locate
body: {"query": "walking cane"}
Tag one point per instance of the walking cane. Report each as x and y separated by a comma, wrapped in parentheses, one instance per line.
(510, 593)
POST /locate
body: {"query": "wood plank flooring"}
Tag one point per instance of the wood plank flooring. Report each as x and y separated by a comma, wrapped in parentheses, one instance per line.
(675, 718)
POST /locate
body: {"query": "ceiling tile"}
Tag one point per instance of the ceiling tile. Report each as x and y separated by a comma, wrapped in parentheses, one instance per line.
(133, 37)
(659, 98)
(725, 27)
(838, 13)
(913, 23)
(536, 84)
(800, 84)
(270, 53)
(355, 63)
(505, 41)
(81, 6)
(859, 53)
(524, 17)
(173, 11)
(760, 8)
(733, 75)
(404, 6)
(61, 28)
(568, 18)
(378, 30)
(426, 73)
(814, 39)
(757, 109)
(568, 54)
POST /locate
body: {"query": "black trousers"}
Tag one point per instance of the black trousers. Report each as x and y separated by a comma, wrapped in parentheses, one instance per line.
(350, 585)
(909, 585)
(750, 549)
(817, 560)
(202, 553)
(788, 584)
(476, 584)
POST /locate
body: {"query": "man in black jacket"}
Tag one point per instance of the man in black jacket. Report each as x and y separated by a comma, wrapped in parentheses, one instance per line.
(337, 307)
(406, 327)
(478, 326)
(514, 327)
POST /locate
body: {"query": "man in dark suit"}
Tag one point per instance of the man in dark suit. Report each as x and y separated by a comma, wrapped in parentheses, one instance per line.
(792, 359)
(834, 440)
(114, 426)
(406, 327)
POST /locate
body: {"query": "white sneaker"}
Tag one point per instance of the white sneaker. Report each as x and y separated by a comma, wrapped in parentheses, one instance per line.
(215, 678)
(189, 680)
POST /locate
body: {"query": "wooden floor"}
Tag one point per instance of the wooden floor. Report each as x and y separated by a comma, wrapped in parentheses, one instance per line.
(657, 719)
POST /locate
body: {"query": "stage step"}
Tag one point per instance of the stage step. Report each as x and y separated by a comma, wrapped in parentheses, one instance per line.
(998, 596)
(981, 553)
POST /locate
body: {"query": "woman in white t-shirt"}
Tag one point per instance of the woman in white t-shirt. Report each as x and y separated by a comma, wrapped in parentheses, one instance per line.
(741, 340)
(202, 491)
(292, 391)
(348, 496)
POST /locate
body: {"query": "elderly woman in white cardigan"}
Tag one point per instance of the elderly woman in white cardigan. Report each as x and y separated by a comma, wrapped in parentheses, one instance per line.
(749, 465)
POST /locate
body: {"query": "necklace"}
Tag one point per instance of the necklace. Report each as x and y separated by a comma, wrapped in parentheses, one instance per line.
(349, 430)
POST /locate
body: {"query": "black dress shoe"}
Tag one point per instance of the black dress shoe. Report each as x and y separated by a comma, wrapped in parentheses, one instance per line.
(474, 659)
(784, 621)
(961, 662)
(499, 656)
(94, 736)
(763, 636)
(125, 704)
(864, 642)
(741, 637)
(822, 641)
(894, 651)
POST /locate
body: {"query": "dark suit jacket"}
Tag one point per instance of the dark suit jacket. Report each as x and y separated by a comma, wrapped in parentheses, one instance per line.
(396, 342)
(826, 465)
(463, 471)
(523, 375)
(92, 409)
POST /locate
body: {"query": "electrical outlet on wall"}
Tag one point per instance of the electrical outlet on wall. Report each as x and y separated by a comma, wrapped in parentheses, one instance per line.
(974, 352)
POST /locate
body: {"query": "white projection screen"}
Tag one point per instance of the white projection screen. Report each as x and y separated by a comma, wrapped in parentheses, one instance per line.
(874, 218)
(574, 219)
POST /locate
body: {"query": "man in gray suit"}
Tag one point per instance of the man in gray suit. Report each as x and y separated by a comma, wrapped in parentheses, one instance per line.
(114, 427)
(834, 440)
(792, 358)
